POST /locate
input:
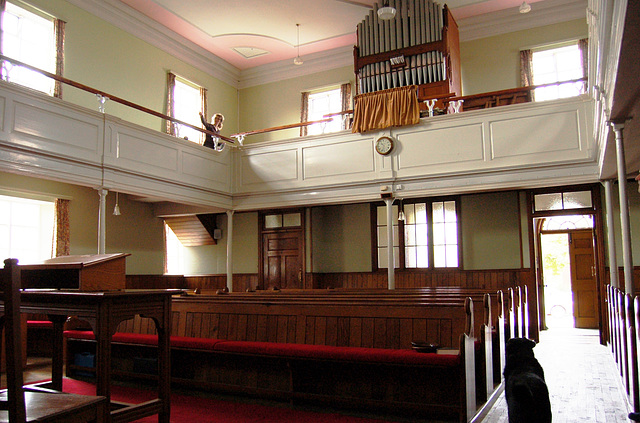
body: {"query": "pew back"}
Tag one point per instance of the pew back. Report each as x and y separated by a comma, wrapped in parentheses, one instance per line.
(317, 320)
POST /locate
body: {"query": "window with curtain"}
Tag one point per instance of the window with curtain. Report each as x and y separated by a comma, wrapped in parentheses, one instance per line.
(185, 102)
(35, 38)
(425, 234)
(318, 103)
(556, 67)
(26, 229)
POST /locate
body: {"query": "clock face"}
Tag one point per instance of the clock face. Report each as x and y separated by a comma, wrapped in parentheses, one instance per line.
(384, 145)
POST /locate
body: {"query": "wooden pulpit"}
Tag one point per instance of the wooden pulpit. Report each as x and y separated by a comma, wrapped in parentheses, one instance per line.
(95, 272)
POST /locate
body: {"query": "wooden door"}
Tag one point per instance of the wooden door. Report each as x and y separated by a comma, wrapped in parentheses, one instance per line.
(282, 260)
(583, 280)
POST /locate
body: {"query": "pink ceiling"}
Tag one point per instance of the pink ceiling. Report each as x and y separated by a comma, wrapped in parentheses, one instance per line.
(219, 26)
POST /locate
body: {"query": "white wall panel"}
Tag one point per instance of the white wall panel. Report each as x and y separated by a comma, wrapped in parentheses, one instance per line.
(522, 145)
(204, 168)
(2, 109)
(268, 167)
(532, 135)
(161, 166)
(46, 129)
(338, 159)
(438, 146)
(145, 154)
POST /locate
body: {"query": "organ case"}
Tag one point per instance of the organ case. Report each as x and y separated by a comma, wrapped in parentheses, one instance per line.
(419, 46)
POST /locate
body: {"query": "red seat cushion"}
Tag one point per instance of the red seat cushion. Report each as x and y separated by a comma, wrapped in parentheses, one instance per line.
(322, 352)
(372, 355)
(145, 339)
(39, 324)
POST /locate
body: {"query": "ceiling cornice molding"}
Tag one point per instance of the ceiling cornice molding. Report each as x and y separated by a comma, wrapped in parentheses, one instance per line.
(510, 20)
(285, 69)
(140, 26)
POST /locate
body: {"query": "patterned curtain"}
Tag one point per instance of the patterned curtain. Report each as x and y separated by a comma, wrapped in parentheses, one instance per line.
(304, 113)
(345, 97)
(386, 108)
(203, 108)
(61, 241)
(59, 35)
(171, 83)
(526, 68)
(583, 46)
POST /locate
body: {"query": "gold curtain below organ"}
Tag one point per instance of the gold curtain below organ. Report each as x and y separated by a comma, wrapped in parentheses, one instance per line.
(386, 108)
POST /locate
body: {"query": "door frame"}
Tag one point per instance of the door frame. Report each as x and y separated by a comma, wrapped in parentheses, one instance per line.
(262, 230)
(598, 241)
(571, 261)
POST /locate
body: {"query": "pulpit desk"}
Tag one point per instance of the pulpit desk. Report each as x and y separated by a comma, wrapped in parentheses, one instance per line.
(104, 310)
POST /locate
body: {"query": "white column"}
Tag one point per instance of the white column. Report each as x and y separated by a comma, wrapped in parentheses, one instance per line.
(611, 236)
(391, 281)
(625, 227)
(102, 221)
(230, 250)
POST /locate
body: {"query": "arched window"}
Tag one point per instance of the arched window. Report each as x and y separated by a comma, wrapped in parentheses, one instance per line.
(557, 223)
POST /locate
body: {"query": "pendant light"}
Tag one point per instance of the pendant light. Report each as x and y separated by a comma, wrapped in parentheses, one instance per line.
(386, 12)
(298, 61)
(525, 7)
(116, 209)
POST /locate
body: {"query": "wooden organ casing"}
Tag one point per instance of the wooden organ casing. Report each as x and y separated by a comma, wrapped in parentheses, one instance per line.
(419, 46)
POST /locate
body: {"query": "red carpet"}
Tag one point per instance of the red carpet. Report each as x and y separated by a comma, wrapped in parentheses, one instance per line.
(192, 409)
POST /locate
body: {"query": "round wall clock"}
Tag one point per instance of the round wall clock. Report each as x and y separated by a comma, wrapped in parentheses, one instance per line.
(384, 145)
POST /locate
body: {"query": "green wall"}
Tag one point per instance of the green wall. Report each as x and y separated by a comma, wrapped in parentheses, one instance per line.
(341, 238)
(633, 200)
(135, 231)
(490, 225)
(212, 259)
(488, 64)
(493, 63)
(104, 57)
(278, 103)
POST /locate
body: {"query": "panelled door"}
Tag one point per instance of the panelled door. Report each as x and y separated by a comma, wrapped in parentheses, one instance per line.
(282, 267)
(583, 280)
(282, 257)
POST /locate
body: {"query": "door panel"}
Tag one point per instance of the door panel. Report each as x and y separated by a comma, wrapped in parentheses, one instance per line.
(282, 255)
(583, 281)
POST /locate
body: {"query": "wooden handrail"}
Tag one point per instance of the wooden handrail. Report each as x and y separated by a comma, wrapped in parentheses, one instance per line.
(111, 97)
(436, 97)
(514, 90)
(346, 112)
(279, 128)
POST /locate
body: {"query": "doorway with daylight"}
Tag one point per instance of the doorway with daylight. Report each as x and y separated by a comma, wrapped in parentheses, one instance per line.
(567, 260)
(567, 224)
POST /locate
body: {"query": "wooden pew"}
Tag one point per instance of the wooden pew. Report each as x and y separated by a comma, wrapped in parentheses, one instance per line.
(489, 318)
(623, 312)
(320, 348)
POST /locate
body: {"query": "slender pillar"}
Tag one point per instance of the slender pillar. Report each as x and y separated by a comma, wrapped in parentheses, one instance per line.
(102, 221)
(625, 227)
(230, 250)
(391, 281)
(611, 236)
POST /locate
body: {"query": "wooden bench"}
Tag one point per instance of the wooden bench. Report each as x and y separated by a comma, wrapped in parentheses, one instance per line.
(335, 346)
(39, 336)
(623, 313)
(321, 348)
